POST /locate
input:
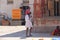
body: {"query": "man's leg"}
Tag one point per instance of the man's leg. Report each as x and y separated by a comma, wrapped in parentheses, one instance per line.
(26, 31)
(30, 31)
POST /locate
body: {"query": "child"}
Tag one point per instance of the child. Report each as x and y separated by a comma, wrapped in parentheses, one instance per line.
(56, 32)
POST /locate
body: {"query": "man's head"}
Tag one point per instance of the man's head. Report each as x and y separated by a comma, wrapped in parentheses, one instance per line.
(29, 13)
(57, 27)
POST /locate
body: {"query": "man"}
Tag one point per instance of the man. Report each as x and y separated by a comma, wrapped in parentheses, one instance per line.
(28, 23)
(56, 31)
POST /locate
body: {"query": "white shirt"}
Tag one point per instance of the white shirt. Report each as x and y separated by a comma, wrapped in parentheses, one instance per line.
(28, 22)
(26, 18)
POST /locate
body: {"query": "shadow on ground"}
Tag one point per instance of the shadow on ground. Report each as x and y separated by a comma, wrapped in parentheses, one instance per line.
(22, 35)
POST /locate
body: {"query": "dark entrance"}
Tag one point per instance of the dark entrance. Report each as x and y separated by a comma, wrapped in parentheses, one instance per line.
(56, 8)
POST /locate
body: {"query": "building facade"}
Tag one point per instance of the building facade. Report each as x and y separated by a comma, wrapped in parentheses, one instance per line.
(48, 17)
(8, 7)
(45, 13)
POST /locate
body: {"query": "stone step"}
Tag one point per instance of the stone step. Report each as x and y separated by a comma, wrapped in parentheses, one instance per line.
(45, 29)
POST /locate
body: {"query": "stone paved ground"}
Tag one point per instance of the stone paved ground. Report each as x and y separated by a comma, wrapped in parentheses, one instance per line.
(18, 33)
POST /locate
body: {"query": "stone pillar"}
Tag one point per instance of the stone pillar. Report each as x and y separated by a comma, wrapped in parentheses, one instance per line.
(38, 13)
(42, 7)
(51, 7)
(37, 9)
(46, 11)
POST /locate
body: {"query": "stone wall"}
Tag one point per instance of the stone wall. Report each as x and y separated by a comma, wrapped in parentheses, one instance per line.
(46, 25)
(49, 21)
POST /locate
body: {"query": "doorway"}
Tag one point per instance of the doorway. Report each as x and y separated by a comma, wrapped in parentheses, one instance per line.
(56, 8)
